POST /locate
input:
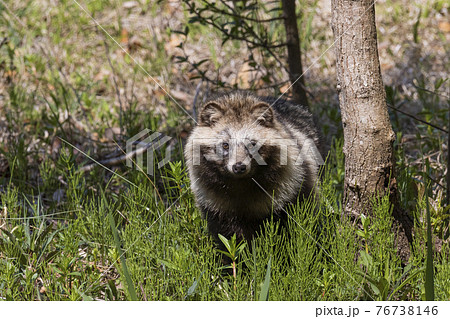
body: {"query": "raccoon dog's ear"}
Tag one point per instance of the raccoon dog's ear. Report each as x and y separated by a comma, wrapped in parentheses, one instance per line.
(263, 114)
(210, 114)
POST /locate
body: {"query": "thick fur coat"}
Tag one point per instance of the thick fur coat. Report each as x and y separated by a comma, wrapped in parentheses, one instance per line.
(248, 158)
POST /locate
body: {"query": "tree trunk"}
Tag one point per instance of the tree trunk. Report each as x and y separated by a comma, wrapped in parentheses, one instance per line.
(368, 134)
(294, 53)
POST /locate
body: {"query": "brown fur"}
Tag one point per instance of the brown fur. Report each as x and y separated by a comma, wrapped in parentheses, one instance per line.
(235, 134)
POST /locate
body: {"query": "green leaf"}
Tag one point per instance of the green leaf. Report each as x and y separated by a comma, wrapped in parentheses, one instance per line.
(413, 275)
(360, 233)
(193, 287)
(168, 264)
(225, 242)
(372, 282)
(130, 285)
(365, 259)
(264, 295)
(83, 295)
(113, 289)
(49, 240)
(75, 273)
(59, 271)
(225, 267)
(225, 253)
(374, 286)
(241, 247)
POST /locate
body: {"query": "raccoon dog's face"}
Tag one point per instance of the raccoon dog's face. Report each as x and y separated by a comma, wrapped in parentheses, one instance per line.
(234, 138)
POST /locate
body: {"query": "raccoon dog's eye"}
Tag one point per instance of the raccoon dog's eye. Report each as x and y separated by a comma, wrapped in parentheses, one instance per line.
(225, 146)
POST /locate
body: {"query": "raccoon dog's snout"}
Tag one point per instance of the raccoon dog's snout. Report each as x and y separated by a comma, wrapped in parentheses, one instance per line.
(238, 159)
(239, 168)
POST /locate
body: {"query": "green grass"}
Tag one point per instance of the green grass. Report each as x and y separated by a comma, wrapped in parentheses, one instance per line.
(162, 250)
(120, 234)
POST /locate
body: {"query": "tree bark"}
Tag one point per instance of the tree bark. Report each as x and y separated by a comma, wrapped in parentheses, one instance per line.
(294, 53)
(368, 134)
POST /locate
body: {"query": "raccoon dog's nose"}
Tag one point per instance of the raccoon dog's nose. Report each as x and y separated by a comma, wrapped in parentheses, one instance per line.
(239, 168)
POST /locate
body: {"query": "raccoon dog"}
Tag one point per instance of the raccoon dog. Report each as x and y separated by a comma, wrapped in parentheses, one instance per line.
(248, 159)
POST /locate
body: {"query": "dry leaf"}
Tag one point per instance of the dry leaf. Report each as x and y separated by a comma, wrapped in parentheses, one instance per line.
(245, 76)
(130, 4)
(124, 36)
(174, 41)
(444, 26)
(183, 96)
(285, 88)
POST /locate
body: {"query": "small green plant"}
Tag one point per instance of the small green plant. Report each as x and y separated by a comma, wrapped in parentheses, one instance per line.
(383, 284)
(326, 282)
(234, 250)
(365, 233)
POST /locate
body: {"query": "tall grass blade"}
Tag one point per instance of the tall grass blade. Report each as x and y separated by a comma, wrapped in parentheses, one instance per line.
(264, 295)
(193, 287)
(429, 271)
(130, 285)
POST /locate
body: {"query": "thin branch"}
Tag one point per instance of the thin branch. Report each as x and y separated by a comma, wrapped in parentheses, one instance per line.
(429, 91)
(260, 43)
(235, 37)
(417, 119)
(5, 40)
(117, 160)
(235, 15)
